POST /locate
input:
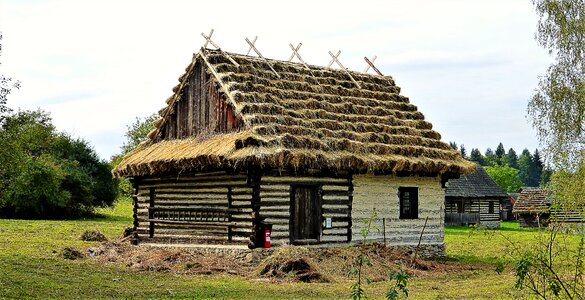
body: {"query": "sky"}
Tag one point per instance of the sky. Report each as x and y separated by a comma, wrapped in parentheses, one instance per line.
(470, 66)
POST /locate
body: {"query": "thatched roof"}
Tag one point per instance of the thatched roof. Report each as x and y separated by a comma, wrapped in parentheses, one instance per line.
(475, 185)
(315, 118)
(532, 201)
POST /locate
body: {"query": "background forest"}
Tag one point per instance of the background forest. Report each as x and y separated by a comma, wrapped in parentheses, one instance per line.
(508, 169)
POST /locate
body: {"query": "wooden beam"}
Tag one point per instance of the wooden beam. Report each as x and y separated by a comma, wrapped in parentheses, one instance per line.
(371, 64)
(335, 59)
(253, 42)
(260, 55)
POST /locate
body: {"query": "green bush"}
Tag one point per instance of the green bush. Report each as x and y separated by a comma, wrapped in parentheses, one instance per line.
(48, 174)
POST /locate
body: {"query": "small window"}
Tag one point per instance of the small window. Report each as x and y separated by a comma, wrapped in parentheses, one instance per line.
(408, 202)
(491, 207)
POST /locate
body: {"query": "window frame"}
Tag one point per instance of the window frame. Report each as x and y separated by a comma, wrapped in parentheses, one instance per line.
(413, 204)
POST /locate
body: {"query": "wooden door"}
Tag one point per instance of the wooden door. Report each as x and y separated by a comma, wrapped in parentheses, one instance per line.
(305, 222)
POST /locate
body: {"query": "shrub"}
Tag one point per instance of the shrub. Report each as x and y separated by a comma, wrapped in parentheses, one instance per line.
(51, 175)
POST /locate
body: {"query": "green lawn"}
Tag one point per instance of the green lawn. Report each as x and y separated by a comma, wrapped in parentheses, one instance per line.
(30, 267)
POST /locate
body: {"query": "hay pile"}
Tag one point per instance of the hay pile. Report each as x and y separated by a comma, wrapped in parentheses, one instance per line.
(292, 264)
(93, 236)
(71, 253)
(304, 119)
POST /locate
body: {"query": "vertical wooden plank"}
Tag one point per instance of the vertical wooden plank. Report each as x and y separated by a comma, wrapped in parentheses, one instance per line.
(212, 109)
(197, 99)
(207, 103)
(230, 118)
(190, 96)
(151, 213)
(203, 99)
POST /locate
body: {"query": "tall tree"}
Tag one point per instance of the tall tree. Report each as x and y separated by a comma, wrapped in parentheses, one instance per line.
(490, 158)
(512, 158)
(463, 151)
(476, 156)
(500, 151)
(6, 87)
(527, 169)
(557, 109)
(538, 166)
(453, 145)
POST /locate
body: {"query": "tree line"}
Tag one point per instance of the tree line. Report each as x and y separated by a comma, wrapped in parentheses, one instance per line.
(508, 169)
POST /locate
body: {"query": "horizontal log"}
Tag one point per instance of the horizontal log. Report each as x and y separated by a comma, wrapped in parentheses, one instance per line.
(328, 211)
(200, 192)
(336, 193)
(195, 209)
(205, 223)
(145, 188)
(272, 189)
(273, 203)
(303, 182)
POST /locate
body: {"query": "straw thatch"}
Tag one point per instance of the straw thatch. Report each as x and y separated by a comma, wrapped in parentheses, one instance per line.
(304, 119)
(532, 201)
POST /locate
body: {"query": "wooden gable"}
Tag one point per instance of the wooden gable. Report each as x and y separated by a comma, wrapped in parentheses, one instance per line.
(201, 109)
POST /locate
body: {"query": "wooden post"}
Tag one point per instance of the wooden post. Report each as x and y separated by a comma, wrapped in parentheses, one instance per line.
(384, 229)
(151, 213)
(134, 183)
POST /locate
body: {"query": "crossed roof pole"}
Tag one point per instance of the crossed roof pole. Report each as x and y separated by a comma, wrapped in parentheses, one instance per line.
(295, 53)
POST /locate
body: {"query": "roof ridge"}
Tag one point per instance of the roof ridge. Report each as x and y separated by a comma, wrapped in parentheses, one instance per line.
(312, 66)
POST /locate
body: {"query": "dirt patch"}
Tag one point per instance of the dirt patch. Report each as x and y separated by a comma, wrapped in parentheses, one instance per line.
(285, 264)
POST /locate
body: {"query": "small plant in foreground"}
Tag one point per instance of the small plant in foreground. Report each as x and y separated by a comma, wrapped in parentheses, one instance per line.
(401, 281)
(362, 260)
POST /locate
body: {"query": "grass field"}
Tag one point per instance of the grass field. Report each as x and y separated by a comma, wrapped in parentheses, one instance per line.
(31, 267)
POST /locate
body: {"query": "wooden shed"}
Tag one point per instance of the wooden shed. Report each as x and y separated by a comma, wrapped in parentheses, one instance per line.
(303, 148)
(474, 199)
(532, 207)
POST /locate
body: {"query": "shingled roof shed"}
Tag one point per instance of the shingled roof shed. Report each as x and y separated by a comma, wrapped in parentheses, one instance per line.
(473, 199)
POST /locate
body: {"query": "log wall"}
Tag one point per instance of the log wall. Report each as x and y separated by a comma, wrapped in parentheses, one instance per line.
(275, 205)
(206, 207)
(477, 205)
(381, 193)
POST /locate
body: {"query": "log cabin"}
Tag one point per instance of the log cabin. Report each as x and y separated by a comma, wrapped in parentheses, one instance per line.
(474, 199)
(312, 151)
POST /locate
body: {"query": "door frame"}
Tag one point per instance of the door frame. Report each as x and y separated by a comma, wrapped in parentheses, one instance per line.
(319, 198)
